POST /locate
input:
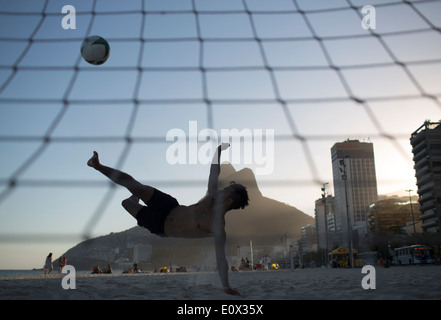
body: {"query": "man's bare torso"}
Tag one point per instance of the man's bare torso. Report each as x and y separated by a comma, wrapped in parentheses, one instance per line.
(192, 221)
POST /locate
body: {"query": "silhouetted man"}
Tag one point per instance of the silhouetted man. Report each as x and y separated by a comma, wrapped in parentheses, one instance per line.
(164, 216)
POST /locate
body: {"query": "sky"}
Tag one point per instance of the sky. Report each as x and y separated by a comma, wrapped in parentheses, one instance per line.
(305, 72)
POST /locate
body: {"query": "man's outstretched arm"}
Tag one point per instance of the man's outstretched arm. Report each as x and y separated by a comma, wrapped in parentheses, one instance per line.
(222, 263)
(215, 169)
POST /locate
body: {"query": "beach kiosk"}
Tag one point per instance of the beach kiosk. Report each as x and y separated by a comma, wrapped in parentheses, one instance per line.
(340, 258)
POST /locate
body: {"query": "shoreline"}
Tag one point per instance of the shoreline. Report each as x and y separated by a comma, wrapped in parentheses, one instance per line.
(395, 283)
(87, 274)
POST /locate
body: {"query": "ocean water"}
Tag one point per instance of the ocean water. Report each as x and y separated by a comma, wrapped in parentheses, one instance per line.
(17, 273)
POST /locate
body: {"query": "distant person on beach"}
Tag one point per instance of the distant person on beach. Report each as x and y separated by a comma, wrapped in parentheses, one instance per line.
(96, 269)
(109, 269)
(61, 263)
(48, 267)
(135, 268)
(165, 217)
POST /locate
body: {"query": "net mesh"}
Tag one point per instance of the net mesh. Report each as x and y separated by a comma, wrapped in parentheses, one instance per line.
(406, 48)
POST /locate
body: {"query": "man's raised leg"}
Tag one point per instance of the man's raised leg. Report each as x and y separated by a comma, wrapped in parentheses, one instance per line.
(139, 190)
(132, 205)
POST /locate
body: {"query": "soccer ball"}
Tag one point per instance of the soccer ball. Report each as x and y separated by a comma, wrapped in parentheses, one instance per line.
(95, 50)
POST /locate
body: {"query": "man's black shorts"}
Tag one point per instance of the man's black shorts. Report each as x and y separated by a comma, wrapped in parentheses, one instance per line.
(154, 214)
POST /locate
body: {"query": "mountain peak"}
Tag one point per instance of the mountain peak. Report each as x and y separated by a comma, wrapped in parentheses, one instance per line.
(227, 169)
(244, 176)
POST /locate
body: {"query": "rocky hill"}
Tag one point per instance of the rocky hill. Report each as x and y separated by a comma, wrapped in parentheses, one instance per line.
(265, 221)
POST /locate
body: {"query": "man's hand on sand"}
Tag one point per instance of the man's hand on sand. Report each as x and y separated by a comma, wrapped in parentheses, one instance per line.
(231, 291)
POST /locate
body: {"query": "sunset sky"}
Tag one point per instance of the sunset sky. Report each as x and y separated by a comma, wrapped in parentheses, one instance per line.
(305, 70)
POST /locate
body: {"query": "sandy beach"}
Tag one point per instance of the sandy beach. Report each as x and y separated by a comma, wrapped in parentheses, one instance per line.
(395, 283)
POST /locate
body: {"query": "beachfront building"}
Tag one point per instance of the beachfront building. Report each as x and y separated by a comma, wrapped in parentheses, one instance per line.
(355, 188)
(393, 215)
(426, 147)
(324, 221)
(309, 238)
(332, 230)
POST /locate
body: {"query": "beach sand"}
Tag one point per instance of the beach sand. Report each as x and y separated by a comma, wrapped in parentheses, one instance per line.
(407, 282)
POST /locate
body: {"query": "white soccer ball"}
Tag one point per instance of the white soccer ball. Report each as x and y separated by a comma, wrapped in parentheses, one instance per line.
(95, 50)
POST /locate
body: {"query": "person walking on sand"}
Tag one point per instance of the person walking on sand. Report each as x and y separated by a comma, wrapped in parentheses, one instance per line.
(60, 264)
(164, 216)
(48, 267)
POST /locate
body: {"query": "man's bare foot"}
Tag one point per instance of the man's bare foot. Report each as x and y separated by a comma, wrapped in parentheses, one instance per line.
(94, 162)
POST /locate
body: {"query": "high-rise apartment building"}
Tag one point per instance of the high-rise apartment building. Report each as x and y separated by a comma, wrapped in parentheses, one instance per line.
(393, 213)
(426, 147)
(355, 187)
(309, 238)
(324, 213)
